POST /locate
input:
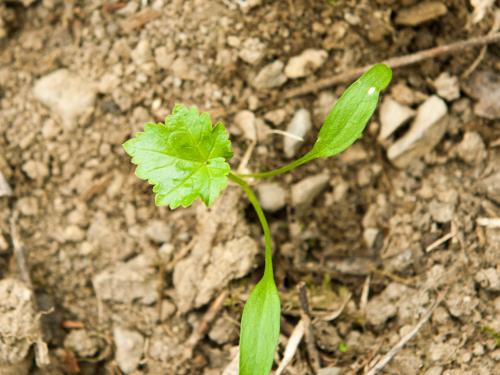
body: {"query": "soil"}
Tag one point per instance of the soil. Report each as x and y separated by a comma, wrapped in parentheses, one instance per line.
(121, 286)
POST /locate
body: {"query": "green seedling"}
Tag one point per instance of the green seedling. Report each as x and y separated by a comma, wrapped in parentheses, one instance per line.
(187, 158)
(343, 347)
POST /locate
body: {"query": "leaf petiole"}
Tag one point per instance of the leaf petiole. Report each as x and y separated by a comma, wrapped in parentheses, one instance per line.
(268, 255)
(275, 172)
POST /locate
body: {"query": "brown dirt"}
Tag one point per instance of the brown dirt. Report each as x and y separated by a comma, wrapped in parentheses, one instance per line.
(103, 259)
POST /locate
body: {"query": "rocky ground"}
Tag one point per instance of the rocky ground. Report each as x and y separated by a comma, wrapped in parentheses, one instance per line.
(95, 279)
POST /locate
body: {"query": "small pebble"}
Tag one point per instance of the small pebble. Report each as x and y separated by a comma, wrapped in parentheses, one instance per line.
(35, 169)
(392, 116)
(50, 129)
(441, 212)
(370, 236)
(66, 94)
(272, 196)
(80, 342)
(166, 252)
(405, 95)
(447, 87)
(424, 134)
(491, 185)
(223, 331)
(421, 12)
(472, 149)
(306, 190)
(489, 279)
(330, 371)
(275, 117)
(299, 127)
(163, 58)
(74, 233)
(5, 189)
(246, 122)
(436, 370)
(306, 63)
(158, 231)
(129, 349)
(478, 349)
(270, 76)
(253, 51)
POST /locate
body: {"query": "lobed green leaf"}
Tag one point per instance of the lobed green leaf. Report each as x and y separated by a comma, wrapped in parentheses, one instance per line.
(185, 158)
(260, 328)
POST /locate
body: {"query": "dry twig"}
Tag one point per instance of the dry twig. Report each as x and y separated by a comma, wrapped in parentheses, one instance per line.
(291, 347)
(440, 241)
(395, 62)
(488, 222)
(203, 327)
(305, 314)
(19, 252)
(329, 316)
(41, 350)
(482, 53)
(363, 300)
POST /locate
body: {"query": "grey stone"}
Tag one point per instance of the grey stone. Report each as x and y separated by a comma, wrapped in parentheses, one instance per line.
(441, 212)
(66, 94)
(491, 186)
(272, 196)
(246, 122)
(298, 128)
(253, 51)
(447, 86)
(489, 279)
(421, 12)
(275, 117)
(370, 236)
(306, 190)
(129, 349)
(163, 57)
(330, 371)
(472, 149)
(73, 233)
(270, 76)
(158, 231)
(5, 189)
(82, 343)
(424, 134)
(223, 331)
(306, 63)
(35, 169)
(392, 116)
(436, 370)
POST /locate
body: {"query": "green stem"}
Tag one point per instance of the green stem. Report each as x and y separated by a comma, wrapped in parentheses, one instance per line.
(294, 164)
(268, 256)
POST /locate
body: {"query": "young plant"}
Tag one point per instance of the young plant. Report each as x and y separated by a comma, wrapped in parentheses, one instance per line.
(186, 158)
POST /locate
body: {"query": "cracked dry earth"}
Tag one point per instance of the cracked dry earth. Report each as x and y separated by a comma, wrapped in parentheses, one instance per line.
(118, 286)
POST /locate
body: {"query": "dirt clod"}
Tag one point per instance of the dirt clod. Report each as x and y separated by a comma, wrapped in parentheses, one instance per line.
(19, 324)
(66, 94)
